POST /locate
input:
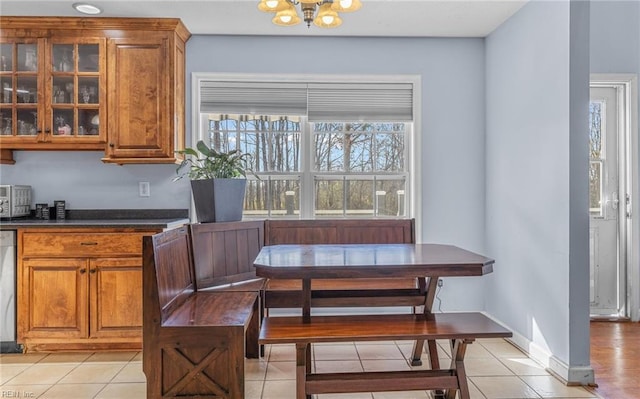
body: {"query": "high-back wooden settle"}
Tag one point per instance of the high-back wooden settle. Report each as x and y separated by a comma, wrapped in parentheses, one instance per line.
(193, 341)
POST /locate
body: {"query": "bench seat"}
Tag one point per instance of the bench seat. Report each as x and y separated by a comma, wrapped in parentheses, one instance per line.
(460, 329)
(215, 309)
(291, 329)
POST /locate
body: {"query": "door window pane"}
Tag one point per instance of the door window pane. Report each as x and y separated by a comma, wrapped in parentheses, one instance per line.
(596, 153)
(596, 109)
(595, 188)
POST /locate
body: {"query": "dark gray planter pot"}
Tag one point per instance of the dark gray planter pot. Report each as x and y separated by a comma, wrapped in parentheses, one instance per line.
(218, 200)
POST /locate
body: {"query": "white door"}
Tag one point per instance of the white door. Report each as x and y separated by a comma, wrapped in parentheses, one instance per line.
(607, 275)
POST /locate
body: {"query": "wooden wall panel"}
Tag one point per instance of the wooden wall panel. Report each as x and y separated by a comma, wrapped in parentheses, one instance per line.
(238, 244)
(339, 231)
(176, 284)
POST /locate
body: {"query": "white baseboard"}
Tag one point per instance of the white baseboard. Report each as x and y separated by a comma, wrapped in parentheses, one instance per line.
(576, 375)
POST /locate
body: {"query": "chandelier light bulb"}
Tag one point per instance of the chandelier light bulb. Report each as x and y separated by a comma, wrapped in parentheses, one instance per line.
(346, 5)
(286, 17)
(323, 13)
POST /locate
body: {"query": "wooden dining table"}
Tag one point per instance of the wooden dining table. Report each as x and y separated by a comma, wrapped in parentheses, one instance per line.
(425, 262)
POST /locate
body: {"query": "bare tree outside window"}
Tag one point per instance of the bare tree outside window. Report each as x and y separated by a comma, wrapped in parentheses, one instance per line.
(357, 168)
(596, 157)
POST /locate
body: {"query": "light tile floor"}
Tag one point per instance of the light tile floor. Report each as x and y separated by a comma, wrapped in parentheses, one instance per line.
(496, 370)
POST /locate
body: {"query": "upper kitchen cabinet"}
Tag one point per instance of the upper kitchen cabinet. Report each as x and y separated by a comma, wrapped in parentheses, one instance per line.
(112, 84)
(146, 96)
(53, 90)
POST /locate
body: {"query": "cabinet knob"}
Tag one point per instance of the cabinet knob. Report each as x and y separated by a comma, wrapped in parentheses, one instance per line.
(111, 145)
(39, 131)
(47, 130)
(88, 243)
(83, 271)
(92, 271)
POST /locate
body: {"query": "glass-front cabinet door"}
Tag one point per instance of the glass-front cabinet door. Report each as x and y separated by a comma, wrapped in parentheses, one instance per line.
(53, 91)
(21, 99)
(77, 91)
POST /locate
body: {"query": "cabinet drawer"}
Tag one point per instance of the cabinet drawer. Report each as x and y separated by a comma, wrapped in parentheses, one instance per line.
(86, 244)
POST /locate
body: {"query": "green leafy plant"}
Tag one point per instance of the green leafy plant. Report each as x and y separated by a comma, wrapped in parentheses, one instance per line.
(207, 163)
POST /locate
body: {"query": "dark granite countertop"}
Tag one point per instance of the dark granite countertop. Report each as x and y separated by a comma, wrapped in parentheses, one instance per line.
(118, 218)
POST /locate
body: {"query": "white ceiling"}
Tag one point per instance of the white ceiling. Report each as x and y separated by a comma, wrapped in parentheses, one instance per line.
(419, 18)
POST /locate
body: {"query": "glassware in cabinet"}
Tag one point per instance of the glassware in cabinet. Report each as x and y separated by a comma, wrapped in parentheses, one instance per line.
(19, 83)
(76, 91)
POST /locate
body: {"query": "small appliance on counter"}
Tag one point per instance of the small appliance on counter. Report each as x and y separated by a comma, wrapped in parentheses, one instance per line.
(15, 201)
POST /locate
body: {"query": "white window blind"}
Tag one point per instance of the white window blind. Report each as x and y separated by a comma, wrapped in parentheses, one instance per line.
(319, 101)
(360, 102)
(261, 98)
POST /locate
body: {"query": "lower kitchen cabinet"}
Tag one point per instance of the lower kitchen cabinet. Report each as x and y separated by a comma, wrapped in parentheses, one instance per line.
(56, 297)
(80, 290)
(115, 297)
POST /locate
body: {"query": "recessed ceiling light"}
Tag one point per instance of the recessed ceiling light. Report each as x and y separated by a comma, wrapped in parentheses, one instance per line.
(87, 8)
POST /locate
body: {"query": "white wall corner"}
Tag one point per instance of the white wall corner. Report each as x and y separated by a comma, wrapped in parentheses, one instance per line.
(576, 375)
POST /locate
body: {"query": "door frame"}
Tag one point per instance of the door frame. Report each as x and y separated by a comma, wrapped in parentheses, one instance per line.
(629, 183)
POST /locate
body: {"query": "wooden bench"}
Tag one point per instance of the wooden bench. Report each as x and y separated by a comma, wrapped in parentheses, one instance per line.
(339, 292)
(460, 329)
(193, 341)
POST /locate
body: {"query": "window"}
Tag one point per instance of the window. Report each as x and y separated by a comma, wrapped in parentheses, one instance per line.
(596, 155)
(321, 150)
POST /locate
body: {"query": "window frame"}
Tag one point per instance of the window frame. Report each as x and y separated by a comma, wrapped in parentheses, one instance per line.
(412, 142)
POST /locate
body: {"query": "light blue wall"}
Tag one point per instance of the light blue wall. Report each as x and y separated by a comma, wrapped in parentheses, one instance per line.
(452, 74)
(85, 182)
(615, 36)
(536, 177)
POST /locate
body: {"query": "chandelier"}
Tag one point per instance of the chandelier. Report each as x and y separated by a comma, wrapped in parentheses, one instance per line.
(325, 17)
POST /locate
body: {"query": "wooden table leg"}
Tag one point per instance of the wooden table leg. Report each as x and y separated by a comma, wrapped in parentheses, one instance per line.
(303, 367)
(418, 346)
(306, 300)
(458, 350)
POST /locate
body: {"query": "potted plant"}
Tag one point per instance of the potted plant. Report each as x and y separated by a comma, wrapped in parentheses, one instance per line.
(218, 181)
